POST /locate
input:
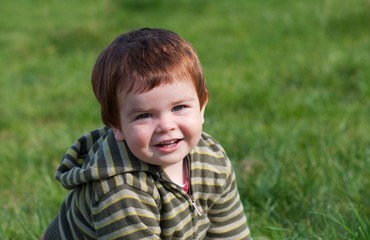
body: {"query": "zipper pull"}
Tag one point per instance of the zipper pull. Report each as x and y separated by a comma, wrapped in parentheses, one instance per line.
(196, 206)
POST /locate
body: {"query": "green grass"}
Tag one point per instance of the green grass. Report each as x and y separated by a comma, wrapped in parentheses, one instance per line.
(290, 103)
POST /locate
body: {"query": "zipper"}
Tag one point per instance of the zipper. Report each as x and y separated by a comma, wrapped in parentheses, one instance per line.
(197, 209)
(195, 205)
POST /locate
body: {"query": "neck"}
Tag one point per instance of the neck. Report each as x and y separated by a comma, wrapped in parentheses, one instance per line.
(176, 172)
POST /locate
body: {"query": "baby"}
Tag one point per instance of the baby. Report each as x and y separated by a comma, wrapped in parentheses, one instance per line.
(151, 173)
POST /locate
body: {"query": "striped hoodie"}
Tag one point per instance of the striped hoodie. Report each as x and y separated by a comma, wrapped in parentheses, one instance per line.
(114, 195)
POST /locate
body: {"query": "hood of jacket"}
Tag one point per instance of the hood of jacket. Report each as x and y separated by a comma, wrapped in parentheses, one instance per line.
(97, 156)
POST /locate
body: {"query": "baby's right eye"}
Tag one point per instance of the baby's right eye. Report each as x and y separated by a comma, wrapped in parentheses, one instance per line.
(143, 116)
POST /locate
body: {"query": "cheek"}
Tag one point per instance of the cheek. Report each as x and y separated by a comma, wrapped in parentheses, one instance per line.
(138, 136)
(194, 126)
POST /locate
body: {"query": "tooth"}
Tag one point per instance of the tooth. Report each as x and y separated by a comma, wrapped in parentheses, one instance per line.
(169, 142)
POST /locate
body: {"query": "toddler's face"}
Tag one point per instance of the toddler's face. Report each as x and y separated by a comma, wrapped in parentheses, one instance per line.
(163, 125)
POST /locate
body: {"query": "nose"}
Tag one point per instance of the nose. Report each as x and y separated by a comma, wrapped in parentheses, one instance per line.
(165, 124)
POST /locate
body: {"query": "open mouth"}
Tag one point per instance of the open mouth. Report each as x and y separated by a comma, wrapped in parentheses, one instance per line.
(169, 144)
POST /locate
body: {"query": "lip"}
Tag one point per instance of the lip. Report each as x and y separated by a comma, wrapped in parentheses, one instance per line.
(169, 145)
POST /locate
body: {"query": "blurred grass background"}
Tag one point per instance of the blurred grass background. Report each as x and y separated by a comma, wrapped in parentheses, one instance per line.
(289, 101)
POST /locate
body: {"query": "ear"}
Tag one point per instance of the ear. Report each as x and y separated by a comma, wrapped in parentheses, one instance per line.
(118, 135)
(203, 108)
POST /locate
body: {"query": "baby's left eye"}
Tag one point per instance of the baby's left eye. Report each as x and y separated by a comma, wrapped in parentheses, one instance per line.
(178, 108)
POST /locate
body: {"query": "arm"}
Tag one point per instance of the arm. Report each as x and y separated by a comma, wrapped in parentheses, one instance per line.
(227, 216)
(127, 213)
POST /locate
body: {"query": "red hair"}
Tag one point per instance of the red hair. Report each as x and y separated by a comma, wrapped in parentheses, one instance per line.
(141, 60)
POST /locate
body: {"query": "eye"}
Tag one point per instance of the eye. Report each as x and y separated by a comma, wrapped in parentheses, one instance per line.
(178, 108)
(143, 116)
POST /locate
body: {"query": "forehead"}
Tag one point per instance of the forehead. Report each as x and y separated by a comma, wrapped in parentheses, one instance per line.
(164, 80)
(165, 93)
(173, 89)
(140, 82)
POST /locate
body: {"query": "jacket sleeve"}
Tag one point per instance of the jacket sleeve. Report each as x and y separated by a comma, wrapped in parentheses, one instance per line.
(227, 216)
(127, 213)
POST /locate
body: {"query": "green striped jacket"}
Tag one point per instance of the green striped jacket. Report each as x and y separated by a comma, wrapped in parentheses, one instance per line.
(116, 196)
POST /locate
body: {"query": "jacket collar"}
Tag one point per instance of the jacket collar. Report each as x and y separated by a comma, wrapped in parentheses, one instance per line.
(98, 155)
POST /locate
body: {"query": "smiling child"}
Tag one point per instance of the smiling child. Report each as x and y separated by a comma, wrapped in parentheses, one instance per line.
(151, 173)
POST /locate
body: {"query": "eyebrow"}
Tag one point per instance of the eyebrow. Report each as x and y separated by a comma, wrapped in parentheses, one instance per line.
(185, 100)
(139, 109)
